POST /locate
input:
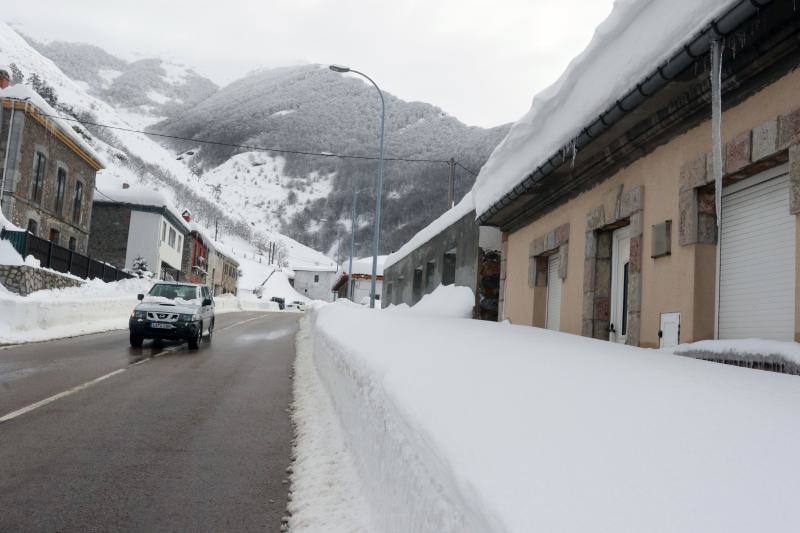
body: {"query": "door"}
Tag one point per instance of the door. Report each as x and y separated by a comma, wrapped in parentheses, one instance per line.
(553, 293)
(620, 278)
(757, 259)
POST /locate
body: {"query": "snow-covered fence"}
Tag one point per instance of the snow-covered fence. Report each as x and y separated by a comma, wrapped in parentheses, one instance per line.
(759, 354)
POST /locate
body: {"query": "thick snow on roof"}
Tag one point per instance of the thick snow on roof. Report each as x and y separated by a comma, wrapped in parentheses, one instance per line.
(364, 265)
(637, 37)
(447, 219)
(26, 94)
(108, 191)
(743, 349)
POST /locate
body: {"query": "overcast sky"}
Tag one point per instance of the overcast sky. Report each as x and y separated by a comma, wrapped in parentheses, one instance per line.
(480, 60)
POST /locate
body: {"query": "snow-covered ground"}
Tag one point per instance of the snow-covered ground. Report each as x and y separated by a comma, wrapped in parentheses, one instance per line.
(50, 314)
(461, 425)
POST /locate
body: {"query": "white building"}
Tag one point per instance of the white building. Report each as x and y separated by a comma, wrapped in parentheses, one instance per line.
(315, 282)
(360, 282)
(138, 223)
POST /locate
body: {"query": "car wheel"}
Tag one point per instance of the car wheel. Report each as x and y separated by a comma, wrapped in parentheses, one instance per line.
(136, 341)
(194, 342)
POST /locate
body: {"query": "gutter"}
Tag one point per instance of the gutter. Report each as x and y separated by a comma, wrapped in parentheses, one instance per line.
(655, 81)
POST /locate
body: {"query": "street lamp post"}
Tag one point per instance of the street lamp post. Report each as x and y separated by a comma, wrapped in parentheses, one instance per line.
(378, 185)
(352, 242)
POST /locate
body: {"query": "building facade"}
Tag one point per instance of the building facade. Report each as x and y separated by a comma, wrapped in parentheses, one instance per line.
(461, 253)
(315, 283)
(48, 173)
(360, 282)
(196, 258)
(622, 243)
(124, 233)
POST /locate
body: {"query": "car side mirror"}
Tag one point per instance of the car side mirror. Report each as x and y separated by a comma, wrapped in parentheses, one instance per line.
(140, 296)
(207, 301)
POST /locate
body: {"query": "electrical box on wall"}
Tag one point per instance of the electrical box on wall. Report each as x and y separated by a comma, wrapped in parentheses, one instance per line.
(662, 238)
(669, 331)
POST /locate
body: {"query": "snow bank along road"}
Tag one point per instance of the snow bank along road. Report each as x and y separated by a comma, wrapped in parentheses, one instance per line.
(186, 441)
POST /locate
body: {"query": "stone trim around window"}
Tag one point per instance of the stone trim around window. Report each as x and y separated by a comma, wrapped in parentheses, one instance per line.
(617, 210)
(552, 242)
(770, 144)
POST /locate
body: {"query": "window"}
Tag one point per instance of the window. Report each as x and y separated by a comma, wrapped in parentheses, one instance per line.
(449, 268)
(430, 276)
(316, 278)
(417, 287)
(33, 227)
(163, 231)
(77, 203)
(172, 234)
(37, 187)
(54, 235)
(72, 243)
(61, 188)
(180, 241)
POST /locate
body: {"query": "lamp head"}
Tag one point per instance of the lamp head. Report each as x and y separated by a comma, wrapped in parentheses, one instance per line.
(339, 68)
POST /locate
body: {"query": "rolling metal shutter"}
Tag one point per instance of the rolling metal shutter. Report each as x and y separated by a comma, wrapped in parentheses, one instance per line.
(553, 293)
(757, 259)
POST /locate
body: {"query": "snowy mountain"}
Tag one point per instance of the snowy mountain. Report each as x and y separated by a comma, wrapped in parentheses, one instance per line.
(309, 108)
(134, 158)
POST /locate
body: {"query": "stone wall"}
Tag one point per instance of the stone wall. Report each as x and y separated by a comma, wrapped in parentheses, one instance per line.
(108, 240)
(24, 279)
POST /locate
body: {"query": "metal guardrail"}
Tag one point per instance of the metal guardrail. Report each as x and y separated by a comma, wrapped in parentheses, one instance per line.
(61, 259)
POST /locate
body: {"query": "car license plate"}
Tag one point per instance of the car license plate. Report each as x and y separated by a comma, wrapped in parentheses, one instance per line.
(160, 325)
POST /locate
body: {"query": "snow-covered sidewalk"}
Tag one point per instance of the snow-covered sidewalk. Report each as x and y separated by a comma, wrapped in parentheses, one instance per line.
(461, 425)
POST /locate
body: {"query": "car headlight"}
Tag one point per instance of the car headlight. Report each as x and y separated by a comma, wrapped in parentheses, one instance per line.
(138, 314)
(188, 318)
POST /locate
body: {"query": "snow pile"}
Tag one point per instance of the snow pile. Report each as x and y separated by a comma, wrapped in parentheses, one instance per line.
(363, 266)
(50, 314)
(445, 301)
(321, 457)
(447, 219)
(471, 426)
(742, 350)
(9, 254)
(637, 37)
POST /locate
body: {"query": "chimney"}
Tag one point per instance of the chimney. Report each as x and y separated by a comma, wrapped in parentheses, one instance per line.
(5, 78)
(187, 215)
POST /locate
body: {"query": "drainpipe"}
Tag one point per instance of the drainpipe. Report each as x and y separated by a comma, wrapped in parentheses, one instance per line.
(8, 149)
(716, 142)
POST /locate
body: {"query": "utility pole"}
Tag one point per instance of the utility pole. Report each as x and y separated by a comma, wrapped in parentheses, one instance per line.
(216, 228)
(451, 184)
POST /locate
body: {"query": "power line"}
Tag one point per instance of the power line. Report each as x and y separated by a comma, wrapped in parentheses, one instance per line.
(465, 168)
(251, 147)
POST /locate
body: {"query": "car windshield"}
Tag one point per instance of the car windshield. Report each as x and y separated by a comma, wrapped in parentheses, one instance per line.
(172, 292)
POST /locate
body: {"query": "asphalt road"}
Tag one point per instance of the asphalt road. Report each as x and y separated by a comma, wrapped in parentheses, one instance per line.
(176, 441)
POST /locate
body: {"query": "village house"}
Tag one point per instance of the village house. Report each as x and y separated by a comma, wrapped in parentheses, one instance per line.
(451, 250)
(360, 282)
(48, 169)
(614, 233)
(134, 225)
(205, 262)
(315, 281)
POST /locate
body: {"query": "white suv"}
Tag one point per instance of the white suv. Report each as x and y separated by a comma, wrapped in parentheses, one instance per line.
(173, 311)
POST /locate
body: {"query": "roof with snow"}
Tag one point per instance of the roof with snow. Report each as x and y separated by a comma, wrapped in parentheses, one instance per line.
(447, 219)
(140, 196)
(361, 267)
(50, 118)
(211, 243)
(632, 46)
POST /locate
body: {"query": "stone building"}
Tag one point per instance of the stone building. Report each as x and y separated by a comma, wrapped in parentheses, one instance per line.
(614, 234)
(48, 170)
(452, 250)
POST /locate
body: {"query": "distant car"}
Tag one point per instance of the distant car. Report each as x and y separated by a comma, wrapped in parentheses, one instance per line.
(296, 306)
(280, 301)
(178, 311)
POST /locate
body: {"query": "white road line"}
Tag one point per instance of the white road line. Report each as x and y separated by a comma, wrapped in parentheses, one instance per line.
(73, 390)
(51, 399)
